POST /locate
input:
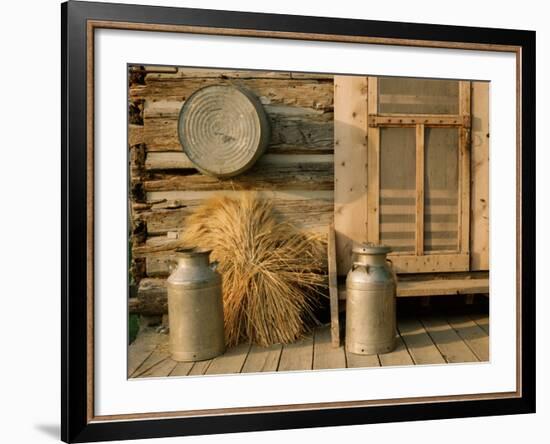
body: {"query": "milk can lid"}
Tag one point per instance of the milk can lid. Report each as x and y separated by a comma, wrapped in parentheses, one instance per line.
(370, 248)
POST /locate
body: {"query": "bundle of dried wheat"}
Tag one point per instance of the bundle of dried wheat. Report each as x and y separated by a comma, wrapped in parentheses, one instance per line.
(272, 272)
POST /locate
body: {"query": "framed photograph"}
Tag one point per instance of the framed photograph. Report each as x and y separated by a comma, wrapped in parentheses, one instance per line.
(276, 221)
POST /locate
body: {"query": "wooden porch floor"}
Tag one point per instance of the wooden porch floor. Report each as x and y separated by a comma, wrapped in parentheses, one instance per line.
(427, 340)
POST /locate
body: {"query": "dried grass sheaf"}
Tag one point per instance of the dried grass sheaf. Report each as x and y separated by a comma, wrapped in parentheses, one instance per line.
(272, 273)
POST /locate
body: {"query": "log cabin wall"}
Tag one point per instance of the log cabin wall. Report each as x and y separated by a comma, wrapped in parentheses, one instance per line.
(296, 172)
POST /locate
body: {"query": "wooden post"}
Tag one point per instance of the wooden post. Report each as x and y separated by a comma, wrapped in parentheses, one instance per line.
(333, 287)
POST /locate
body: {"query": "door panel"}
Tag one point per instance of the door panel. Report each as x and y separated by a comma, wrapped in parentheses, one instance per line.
(441, 157)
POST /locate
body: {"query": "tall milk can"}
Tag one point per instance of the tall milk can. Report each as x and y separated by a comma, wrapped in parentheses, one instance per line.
(370, 302)
(195, 307)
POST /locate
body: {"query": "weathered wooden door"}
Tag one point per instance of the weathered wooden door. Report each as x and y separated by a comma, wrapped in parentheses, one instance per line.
(418, 172)
(416, 161)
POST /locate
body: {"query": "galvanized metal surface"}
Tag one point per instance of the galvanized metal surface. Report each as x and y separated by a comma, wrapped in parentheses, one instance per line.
(223, 130)
(370, 302)
(195, 308)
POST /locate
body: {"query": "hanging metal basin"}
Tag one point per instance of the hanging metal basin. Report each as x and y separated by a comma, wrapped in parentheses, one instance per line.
(223, 130)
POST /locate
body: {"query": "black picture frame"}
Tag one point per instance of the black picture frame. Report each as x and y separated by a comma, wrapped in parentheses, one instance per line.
(77, 327)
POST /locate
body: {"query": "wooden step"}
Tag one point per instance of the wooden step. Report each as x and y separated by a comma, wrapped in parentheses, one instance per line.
(434, 287)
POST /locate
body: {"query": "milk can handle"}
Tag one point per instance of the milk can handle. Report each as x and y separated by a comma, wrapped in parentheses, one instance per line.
(172, 263)
(392, 270)
(358, 264)
(214, 265)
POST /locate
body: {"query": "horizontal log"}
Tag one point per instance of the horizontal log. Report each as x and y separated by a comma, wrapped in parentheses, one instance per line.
(168, 161)
(170, 72)
(309, 93)
(271, 172)
(164, 199)
(178, 160)
(158, 251)
(182, 72)
(156, 244)
(165, 214)
(293, 129)
(311, 215)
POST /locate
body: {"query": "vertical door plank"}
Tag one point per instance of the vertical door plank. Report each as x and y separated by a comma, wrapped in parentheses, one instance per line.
(350, 166)
(324, 354)
(373, 167)
(479, 239)
(419, 226)
(464, 169)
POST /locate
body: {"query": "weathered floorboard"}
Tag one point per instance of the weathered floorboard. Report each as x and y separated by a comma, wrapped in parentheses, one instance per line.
(262, 359)
(418, 342)
(231, 361)
(451, 346)
(297, 356)
(360, 361)
(433, 340)
(141, 349)
(481, 320)
(200, 367)
(400, 356)
(325, 356)
(182, 369)
(163, 368)
(158, 355)
(474, 336)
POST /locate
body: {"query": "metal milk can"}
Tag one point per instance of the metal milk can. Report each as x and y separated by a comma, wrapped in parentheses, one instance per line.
(370, 302)
(195, 307)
